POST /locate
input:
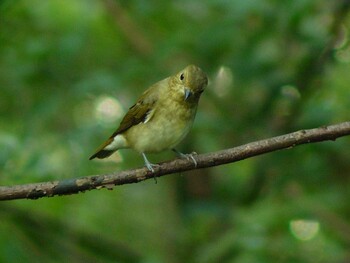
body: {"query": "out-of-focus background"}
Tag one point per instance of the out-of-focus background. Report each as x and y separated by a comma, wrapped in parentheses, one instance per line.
(69, 70)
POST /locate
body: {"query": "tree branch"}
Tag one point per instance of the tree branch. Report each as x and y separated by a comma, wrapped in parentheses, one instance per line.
(74, 186)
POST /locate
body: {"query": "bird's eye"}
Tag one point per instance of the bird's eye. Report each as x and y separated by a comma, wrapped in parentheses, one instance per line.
(182, 76)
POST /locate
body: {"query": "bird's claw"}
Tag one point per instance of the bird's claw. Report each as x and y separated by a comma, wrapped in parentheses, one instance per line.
(188, 156)
(150, 166)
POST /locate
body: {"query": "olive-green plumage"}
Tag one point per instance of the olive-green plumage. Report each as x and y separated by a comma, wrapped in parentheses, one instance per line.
(161, 117)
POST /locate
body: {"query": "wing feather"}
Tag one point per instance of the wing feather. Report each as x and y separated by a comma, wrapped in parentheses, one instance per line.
(141, 111)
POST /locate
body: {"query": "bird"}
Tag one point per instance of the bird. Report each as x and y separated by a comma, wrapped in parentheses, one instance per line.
(161, 117)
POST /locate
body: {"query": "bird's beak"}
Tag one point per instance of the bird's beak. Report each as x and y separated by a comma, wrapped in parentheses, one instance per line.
(188, 93)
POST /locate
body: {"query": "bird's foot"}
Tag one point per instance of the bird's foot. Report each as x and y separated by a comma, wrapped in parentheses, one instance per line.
(150, 166)
(188, 156)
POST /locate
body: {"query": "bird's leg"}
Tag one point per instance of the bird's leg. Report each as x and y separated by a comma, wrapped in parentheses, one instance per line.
(187, 156)
(149, 165)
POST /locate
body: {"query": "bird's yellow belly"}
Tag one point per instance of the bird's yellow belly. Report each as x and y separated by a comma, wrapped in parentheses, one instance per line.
(161, 133)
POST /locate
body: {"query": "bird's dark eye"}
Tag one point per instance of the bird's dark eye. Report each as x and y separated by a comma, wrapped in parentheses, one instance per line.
(182, 76)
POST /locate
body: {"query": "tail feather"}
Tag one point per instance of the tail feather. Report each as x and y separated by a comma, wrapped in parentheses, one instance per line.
(109, 147)
(102, 154)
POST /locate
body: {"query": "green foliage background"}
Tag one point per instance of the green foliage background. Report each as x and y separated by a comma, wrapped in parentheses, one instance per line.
(274, 67)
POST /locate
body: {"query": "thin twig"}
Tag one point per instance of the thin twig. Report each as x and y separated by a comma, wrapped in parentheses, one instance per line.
(76, 185)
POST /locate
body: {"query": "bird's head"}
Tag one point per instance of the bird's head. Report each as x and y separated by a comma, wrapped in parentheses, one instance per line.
(191, 81)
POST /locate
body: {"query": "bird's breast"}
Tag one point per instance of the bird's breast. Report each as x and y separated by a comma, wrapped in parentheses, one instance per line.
(170, 123)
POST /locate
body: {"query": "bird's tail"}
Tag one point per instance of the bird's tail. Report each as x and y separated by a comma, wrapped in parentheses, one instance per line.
(109, 147)
(103, 151)
(101, 154)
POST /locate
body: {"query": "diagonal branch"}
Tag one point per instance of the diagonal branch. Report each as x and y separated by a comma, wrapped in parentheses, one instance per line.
(74, 186)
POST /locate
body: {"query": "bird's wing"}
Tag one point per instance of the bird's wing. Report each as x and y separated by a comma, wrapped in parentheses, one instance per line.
(141, 111)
